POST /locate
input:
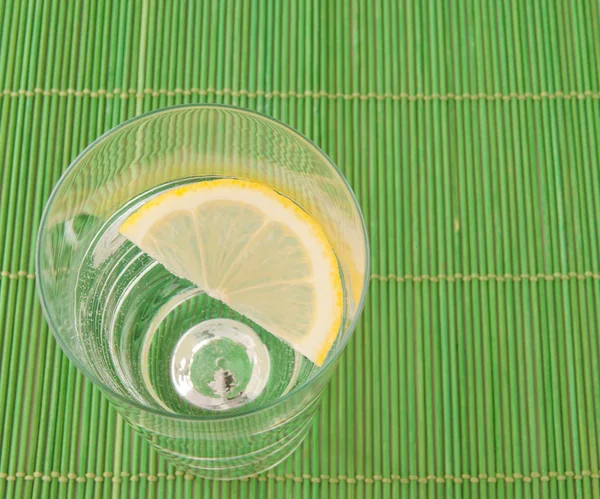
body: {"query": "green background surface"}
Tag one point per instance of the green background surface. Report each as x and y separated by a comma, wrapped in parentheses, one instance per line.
(470, 132)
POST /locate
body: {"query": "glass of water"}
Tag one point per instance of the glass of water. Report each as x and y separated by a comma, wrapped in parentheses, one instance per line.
(132, 326)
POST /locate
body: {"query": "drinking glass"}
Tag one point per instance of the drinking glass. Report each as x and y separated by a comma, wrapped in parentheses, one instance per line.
(118, 315)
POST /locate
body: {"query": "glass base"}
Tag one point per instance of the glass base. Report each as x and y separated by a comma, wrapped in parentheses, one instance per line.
(220, 364)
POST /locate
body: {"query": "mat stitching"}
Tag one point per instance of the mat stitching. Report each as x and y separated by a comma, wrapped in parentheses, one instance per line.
(132, 92)
(480, 478)
(426, 278)
(17, 275)
(487, 277)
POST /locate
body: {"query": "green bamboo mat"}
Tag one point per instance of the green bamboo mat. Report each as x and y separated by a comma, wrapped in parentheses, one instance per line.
(470, 131)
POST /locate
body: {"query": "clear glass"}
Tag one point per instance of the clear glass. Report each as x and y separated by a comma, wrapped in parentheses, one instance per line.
(122, 318)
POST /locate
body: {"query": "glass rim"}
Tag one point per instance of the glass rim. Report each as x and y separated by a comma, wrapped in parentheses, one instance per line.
(131, 401)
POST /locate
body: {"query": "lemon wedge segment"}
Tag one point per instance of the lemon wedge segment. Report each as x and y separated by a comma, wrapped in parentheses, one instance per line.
(257, 251)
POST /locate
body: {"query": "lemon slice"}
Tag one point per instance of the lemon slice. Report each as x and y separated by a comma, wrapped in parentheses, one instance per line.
(252, 248)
